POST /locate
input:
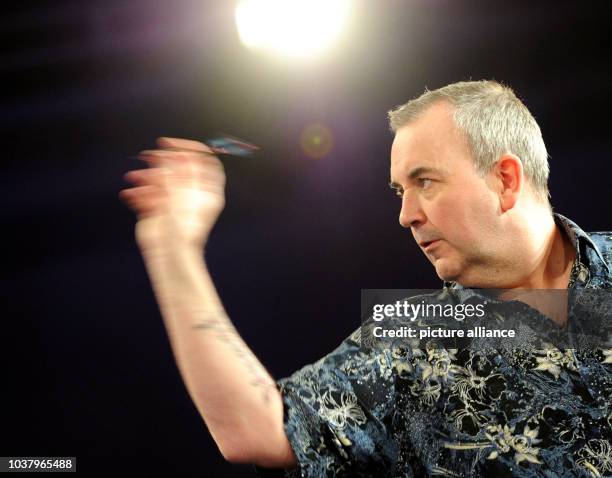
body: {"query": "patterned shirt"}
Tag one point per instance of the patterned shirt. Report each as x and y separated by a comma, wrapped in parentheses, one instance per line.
(413, 412)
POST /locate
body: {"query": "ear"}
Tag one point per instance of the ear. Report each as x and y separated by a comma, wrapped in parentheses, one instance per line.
(508, 173)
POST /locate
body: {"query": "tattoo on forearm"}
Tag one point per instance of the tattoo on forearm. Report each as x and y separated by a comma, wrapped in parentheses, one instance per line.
(227, 333)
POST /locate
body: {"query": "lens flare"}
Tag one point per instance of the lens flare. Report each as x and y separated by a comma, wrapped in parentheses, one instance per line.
(317, 141)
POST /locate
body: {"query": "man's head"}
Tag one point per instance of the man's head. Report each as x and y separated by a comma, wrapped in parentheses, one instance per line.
(467, 159)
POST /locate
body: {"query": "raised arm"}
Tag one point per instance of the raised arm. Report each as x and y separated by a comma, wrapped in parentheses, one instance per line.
(177, 200)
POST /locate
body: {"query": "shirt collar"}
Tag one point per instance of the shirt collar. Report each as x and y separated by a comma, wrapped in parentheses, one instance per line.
(579, 239)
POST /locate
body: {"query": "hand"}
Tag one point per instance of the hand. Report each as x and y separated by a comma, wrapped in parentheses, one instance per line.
(179, 197)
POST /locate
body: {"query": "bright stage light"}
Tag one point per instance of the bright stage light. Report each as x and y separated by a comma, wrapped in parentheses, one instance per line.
(299, 28)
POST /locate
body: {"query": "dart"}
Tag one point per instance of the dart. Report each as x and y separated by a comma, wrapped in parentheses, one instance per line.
(222, 145)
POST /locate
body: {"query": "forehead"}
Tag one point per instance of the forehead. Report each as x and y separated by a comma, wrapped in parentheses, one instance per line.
(430, 141)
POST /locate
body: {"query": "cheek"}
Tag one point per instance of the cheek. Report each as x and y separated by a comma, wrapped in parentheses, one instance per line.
(450, 217)
(460, 218)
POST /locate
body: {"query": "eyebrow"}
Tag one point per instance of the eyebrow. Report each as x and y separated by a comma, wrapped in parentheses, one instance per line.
(415, 173)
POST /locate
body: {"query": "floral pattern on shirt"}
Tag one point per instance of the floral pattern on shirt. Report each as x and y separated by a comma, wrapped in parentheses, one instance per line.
(412, 412)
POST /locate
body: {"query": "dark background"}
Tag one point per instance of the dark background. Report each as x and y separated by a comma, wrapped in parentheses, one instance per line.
(87, 366)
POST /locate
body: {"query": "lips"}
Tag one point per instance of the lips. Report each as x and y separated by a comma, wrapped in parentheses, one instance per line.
(426, 244)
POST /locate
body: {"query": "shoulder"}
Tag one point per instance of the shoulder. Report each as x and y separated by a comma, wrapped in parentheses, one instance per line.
(603, 241)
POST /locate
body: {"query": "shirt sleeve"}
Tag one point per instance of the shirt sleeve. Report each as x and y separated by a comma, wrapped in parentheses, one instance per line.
(338, 412)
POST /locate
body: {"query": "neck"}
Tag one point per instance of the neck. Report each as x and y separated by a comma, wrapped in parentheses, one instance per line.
(550, 269)
(543, 259)
(550, 263)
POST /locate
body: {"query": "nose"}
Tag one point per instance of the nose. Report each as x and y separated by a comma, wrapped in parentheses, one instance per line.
(411, 214)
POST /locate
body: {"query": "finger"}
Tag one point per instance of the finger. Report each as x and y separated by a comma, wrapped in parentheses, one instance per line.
(185, 166)
(141, 193)
(179, 173)
(151, 176)
(160, 157)
(180, 143)
(144, 200)
(154, 157)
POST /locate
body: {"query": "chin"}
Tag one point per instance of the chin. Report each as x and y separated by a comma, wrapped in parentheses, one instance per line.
(447, 270)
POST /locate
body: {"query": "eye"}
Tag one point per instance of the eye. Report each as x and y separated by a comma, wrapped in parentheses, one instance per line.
(399, 193)
(424, 182)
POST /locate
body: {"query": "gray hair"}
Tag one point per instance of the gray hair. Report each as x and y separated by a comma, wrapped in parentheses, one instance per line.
(493, 120)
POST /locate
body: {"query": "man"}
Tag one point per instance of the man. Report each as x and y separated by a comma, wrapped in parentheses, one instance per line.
(470, 166)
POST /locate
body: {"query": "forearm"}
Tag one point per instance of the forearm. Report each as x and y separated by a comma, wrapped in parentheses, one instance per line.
(235, 395)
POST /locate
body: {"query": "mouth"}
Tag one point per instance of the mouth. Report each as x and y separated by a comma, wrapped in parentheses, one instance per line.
(425, 245)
